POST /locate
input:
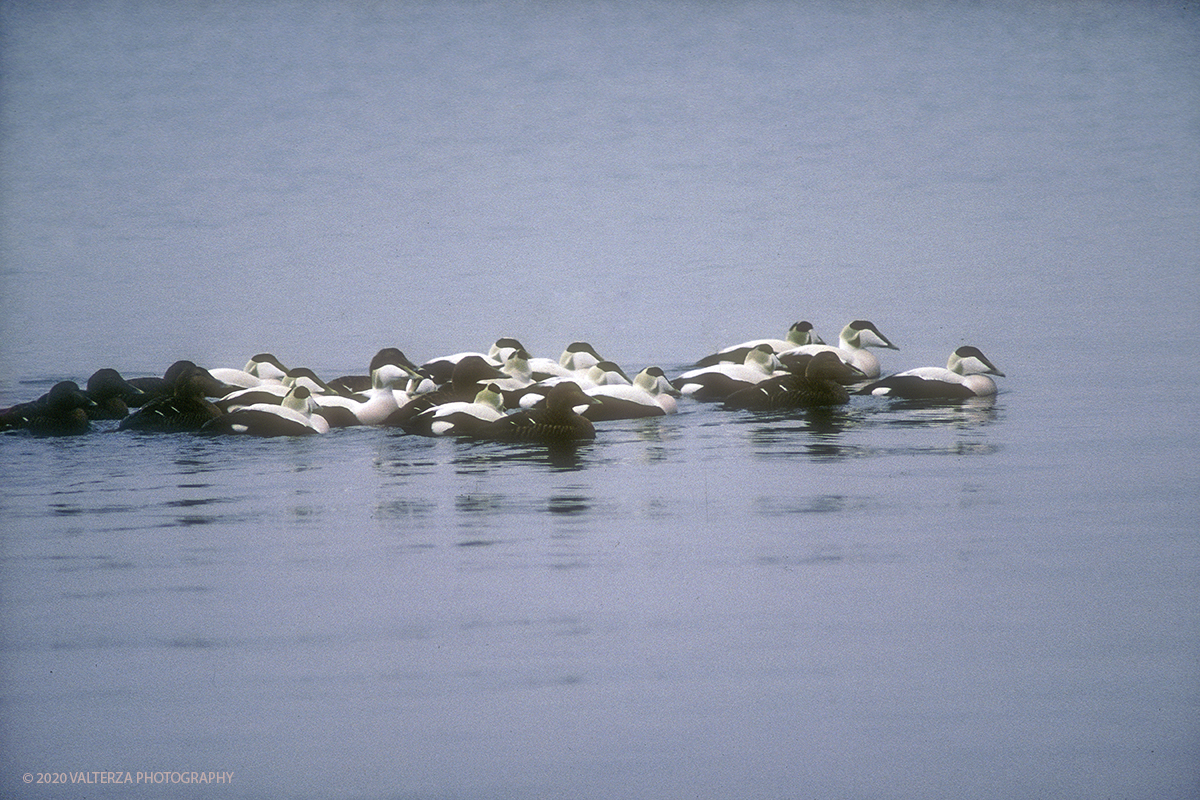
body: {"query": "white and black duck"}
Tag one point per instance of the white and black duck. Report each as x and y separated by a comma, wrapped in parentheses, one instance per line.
(460, 418)
(853, 342)
(261, 368)
(296, 415)
(470, 374)
(964, 376)
(716, 382)
(650, 395)
(799, 334)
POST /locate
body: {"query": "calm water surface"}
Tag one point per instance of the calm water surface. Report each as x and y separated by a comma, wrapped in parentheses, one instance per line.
(996, 600)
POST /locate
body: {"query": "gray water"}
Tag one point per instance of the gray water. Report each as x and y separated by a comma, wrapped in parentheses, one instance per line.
(997, 600)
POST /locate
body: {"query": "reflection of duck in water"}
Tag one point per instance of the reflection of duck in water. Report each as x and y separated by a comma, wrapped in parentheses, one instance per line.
(965, 376)
(817, 383)
(60, 412)
(853, 342)
(556, 421)
(800, 334)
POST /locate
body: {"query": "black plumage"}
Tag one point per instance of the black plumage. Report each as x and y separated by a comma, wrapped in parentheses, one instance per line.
(60, 412)
(186, 408)
(112, 394)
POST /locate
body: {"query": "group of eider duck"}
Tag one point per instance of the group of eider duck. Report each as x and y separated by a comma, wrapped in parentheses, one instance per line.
(504, 394)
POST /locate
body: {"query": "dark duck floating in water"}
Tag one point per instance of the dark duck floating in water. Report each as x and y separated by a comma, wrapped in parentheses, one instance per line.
(555, 422)
(112, 394)
(63, 411)
(186, 408)
(154, 388)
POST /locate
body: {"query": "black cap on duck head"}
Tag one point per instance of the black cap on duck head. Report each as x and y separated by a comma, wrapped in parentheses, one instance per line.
(612, 366)
(392, 355)
(304, 372)
(268, 358)
(969, 351)
(575, 349)
(861, 325)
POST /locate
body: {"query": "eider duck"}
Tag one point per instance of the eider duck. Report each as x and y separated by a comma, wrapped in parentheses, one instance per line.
(721, 380)
(153, 388)
(815, 383)
(602, 373)
(650, 395)
(373, 406)
(441, 369)
(186, 408)
(460, 418)
(577, 357)
(853, 342)
(261, 368)
(351, 384)
(554, 423)
(800, 334)
(965, 375)
(112, 394)
(60, 412)
(519, 373)
(295, 416)
(503, 348)
(469, 374)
